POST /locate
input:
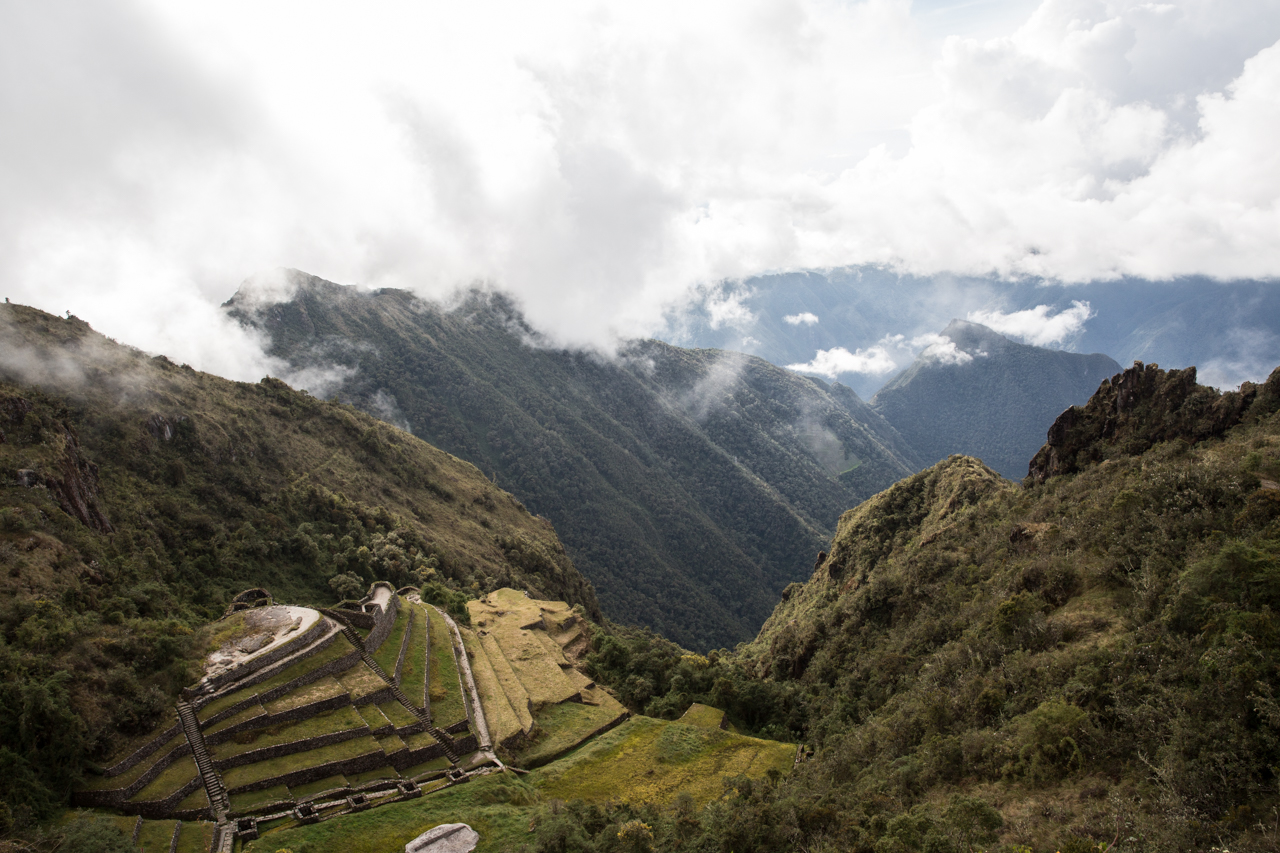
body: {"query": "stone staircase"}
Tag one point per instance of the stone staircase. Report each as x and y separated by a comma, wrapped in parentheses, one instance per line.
(446, 742)
(212, 782)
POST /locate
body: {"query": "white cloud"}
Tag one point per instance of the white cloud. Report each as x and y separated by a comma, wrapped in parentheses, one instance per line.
(833, 362)
(1036, 325)
(602, 161)
(941, 349)
(805, 318)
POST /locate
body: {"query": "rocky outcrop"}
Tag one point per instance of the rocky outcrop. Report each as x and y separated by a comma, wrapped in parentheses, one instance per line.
(72, 480)
(1144, 406)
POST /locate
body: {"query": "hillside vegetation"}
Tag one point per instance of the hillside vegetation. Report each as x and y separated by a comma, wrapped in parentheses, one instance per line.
(138, 496)
(995, 405)
(690, 486)
(1085, 662)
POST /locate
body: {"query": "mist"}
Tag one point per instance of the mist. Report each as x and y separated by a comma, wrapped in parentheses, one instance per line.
(607, 165)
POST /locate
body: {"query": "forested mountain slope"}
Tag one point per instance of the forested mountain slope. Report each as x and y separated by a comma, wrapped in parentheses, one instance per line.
(138, 495)
(990, 397)
(1086, 659)
(689, 485)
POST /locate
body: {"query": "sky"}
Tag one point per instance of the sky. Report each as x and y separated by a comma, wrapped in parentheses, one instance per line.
(607, 162)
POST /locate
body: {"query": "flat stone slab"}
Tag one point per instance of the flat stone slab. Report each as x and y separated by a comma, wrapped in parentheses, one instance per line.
(445, 838)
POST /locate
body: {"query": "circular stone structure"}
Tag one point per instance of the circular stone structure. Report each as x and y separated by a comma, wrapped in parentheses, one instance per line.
(445, 838)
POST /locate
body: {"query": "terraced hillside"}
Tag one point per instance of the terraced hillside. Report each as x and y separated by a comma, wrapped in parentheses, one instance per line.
(302, 714)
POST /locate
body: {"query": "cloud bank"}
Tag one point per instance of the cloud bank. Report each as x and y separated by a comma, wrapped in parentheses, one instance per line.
(605, 163)
(1036, 325)
(830, 363)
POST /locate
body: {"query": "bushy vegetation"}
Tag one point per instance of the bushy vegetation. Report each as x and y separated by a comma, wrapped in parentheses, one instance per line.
(689, 485)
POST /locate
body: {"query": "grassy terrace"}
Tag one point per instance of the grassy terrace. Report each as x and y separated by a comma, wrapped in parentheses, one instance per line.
(338, 720)
(195, 837)
(446, 695)
(562, 727)
(319, 786)
(360, 681)
(251, 712)
(115, 783)
(237, 777)
(316, 691)
(502, 720)
(413, 674)
(390, 649)
(509, 681)
(648, 760)
(155, 835)
(336, 649)
(395, 712)
(197, 799)
(248, 799)
(169, 781)
(373, 716)
(704, 716)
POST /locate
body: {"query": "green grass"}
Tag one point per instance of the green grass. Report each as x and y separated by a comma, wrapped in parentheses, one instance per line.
(169, 781)
(249, 799)
(339, 647)
(501, 827)
(360, 681)
(338, 720)
(195, 837)
(384, 772)
(373, 716)
(115, 783)
(395, 712)
(508, 681)
(250, 773)
(414, 671)
(419, 740)
(653, 761)
(435, 764)
(446, 698)
(328, 783)
(155, 836)
(316, 691)
(197, 799)
(254, 710)
(704, 716)
(389, 651)
(562, 727)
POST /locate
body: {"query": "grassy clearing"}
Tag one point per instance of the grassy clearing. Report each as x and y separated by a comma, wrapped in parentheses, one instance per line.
(413, 673)
(115, 783)
(502, 827)
(155, 836)
(446, 697)
(502, 720)
(328, 783)
(316, 691)
(703, 716)
(250, 773)
(168, 782)
(249, 799)
(338, 720)
(360, 681)
(195, 837)
(389, 651)
(559, 728)
(653, 761)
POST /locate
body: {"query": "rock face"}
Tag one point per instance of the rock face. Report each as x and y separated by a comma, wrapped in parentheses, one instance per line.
(446, 838)
(1144, 406)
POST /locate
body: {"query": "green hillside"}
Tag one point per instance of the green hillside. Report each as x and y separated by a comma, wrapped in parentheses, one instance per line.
(690, 486)
(996, 405)
(140, 495)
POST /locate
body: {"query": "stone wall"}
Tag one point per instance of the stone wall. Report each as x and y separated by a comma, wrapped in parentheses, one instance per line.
(159, 809)
(143, 751)
(115, 798)
(359, 764)
(257, 664)
(301, 712)
(354, 618)
(334, 667)
(294, 746)
(383, 623)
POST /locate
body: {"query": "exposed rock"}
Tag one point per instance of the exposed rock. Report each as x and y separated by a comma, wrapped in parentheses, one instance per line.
(446, 838)
(1141, 407)
(160, 427)
(74, 485)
